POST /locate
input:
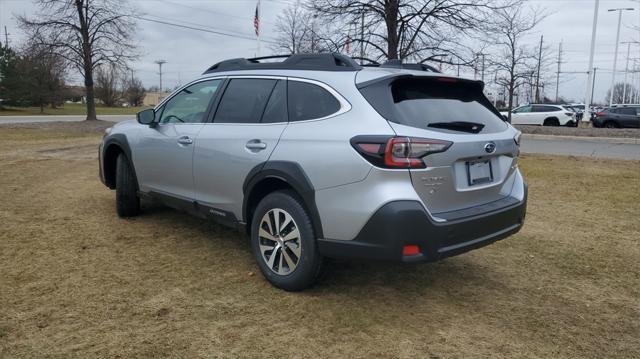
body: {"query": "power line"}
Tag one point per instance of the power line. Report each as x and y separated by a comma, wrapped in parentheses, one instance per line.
(198, 29)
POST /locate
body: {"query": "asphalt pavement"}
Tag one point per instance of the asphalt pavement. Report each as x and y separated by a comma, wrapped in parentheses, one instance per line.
(595, 147)
(62, 118)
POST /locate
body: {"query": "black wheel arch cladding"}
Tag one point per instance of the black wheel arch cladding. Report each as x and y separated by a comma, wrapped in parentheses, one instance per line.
(292, 174)
(109, 158)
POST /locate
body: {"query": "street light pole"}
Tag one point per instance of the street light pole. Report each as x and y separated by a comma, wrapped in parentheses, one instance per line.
(160, 63)
(615, 54)
(587, 97)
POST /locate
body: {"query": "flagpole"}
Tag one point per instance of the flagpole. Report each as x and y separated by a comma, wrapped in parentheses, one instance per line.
(259, 14)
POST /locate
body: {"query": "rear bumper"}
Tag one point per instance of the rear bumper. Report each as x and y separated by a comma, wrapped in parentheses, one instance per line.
(401, 223)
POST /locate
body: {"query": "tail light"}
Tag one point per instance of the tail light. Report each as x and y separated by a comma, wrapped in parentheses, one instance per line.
(598, 114)
(397, 152)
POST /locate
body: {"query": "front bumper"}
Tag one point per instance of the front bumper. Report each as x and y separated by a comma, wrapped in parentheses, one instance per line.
(401, 223)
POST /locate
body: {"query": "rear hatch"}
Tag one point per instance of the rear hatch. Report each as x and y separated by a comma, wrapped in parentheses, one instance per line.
(479, 165)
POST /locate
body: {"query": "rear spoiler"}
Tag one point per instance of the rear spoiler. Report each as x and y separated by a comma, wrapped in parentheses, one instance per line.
(390, 78)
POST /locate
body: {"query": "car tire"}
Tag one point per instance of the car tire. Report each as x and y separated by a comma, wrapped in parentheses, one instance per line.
(127, 200)
(551, 122)
(610, 124)
(293, 263)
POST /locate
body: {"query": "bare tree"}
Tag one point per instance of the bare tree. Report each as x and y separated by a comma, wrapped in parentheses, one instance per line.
(43, 72)
(87, 33)
(423, 30)
(106, 85)
(133, 91)
(293, 29)
(513, 60)
(621, 96)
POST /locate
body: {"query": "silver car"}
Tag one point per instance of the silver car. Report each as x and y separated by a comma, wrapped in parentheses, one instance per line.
(316, 156)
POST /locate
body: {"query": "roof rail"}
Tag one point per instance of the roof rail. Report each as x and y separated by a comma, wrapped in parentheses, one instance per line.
(318, 62)
(397, 64)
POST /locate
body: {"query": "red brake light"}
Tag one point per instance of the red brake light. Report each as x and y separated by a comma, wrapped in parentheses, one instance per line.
(407, 152)
(410, 250)
(397, 152)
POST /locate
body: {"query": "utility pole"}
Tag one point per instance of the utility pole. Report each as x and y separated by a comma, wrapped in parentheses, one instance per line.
(589, 90)
(593, 85)
(558, 73)
(538, 75)
(482, 73)
(362, 37)
(160, 63)
(615, 54)
(626, 70)
(6, 38)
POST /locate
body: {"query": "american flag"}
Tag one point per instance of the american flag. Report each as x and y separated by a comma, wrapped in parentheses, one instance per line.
(256, 19)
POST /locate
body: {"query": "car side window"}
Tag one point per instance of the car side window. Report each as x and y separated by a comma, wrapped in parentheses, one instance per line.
(276, 110)
(244, 100)
(307, 101)
(544, 109)
(627, 111)
(522, 109)
(190, 104)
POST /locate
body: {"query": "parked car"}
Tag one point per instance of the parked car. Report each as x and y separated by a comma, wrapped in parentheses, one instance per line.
(543, 115)
(316, 156)
(616, 117)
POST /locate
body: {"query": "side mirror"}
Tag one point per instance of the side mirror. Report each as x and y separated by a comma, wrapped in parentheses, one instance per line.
(146, 117)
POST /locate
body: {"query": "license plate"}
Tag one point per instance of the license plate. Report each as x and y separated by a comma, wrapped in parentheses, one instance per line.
(479, 172)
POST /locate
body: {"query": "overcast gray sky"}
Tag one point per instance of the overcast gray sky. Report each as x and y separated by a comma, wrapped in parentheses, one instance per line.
(188, 53)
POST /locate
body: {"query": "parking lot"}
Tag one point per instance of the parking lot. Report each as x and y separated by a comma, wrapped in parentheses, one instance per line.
(78, 281)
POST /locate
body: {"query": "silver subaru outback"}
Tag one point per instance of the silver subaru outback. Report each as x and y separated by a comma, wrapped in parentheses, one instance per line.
(316, 156)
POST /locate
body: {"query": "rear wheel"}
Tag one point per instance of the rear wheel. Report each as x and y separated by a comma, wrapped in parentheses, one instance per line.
(551, 122)
(610, 124)
(284, 243)
(127, 200)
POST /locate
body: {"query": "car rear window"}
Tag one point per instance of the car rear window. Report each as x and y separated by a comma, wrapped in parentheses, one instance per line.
(439, 104)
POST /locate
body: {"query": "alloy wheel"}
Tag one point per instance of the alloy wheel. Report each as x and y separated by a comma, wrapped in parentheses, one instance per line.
(279, 241)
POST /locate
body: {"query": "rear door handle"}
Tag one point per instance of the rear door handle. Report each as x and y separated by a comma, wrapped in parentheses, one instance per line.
(185, 140)
(256, 145)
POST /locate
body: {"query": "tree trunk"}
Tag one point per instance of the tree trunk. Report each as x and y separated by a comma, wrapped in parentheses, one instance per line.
(511, 90)
(87, 58)
(391, 20)
(91, 104)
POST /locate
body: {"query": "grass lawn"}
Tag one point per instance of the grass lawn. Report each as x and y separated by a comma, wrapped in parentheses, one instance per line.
(77, 281)
(68, 109)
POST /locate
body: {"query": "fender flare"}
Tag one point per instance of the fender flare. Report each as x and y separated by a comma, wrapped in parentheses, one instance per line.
(292, 174)
(120, 140)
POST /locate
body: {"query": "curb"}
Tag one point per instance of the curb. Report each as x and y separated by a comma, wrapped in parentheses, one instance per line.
(617, 140)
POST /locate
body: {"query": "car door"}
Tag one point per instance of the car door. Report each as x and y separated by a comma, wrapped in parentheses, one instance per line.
(164, 152)
(520, 116)
(248, 122)
(627, 116)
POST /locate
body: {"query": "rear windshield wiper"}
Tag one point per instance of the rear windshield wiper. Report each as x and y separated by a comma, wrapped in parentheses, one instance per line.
(462, 126)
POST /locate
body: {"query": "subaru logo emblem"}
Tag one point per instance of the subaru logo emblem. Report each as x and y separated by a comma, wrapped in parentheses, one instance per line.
(490, 147)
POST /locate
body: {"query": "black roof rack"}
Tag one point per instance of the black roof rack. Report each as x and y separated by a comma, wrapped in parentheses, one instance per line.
(318, 62)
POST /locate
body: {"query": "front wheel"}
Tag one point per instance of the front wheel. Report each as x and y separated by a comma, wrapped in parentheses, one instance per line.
(127, 200)
(284, 243)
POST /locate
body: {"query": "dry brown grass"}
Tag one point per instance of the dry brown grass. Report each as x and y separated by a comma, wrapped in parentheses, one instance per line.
(76, 281)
